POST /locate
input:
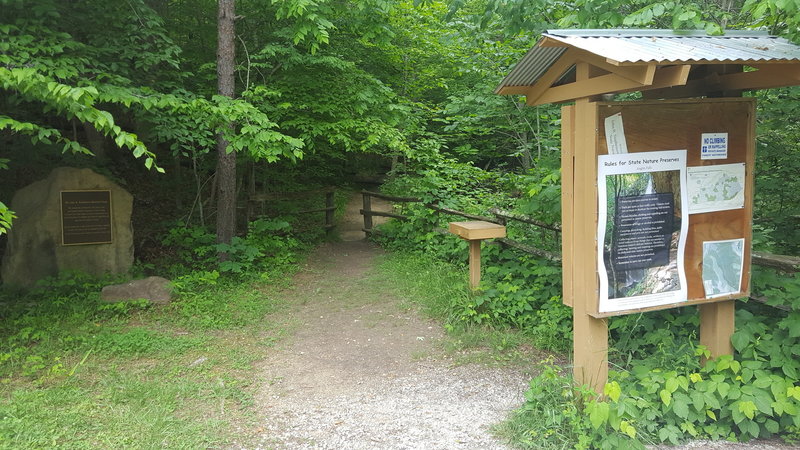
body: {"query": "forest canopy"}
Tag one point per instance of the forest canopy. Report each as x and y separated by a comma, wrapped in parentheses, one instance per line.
(315, 80)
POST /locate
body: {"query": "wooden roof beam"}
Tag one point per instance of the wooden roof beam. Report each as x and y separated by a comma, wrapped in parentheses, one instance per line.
(642, 74)
(611, 84)
(767, 76)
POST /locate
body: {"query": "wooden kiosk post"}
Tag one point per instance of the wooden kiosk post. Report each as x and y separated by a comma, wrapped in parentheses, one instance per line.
(476, 231)
(706, 136)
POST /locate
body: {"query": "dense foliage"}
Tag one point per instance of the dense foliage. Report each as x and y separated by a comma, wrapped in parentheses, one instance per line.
(319, 84)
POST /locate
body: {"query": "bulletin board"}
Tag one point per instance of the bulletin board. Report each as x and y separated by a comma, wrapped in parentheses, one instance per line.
(717, 137)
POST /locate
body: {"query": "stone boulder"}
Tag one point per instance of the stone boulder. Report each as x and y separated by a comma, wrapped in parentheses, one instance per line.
(34, 249)
(155, 289)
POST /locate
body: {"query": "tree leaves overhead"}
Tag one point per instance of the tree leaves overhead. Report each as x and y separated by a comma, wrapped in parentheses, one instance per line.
(779, 17)
(314, 77)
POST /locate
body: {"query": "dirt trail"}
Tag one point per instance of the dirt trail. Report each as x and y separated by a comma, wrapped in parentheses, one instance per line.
(361, 372)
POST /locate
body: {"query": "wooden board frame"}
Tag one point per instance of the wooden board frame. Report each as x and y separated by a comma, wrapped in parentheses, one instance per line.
(653, 126)
(650, 125)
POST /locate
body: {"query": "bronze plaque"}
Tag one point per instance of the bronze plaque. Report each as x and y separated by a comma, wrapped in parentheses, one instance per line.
(85, 217)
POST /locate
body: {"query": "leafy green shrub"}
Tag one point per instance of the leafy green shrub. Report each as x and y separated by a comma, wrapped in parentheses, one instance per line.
(517, 289)
(193, 246)
(664, 338)
(541, 195)
(450, 183)
(557, 415)
(267, 240)
(726, 399)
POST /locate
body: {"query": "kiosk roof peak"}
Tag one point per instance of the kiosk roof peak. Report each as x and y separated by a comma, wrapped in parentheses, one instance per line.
(630, 51)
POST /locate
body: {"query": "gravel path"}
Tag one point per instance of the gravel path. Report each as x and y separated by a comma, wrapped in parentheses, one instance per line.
(362, 372)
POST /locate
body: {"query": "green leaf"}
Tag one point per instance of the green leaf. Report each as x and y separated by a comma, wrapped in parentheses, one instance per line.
(697, 400)
(628, 429)
(749, 427)
(666, 396)
(748, 408)
(681, 409)
(612, 390)
(672, 384)
(723, 389)
(793, 392)
(598, 413)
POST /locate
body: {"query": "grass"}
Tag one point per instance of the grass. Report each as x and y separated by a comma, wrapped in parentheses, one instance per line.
(550, 418)
(439, 289)
(78, 373)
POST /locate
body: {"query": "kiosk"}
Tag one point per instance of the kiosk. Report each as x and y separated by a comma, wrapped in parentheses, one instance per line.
(657, 193)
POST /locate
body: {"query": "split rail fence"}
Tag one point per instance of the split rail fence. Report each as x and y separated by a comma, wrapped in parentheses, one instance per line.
(498, 216)
(258, 201)
(783, 263)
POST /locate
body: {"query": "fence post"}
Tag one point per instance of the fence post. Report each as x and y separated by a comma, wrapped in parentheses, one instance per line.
(367, 212)
(329, 210)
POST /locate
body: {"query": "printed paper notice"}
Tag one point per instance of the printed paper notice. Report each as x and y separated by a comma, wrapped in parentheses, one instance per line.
(714, 146)
(715, 188)
(641, 203)
(615, 135)
(723, 262)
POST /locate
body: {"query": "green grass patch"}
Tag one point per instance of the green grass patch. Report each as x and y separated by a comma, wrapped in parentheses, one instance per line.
(440, 290)
(79, 373)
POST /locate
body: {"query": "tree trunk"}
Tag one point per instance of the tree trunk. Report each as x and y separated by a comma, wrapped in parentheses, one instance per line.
(95, 141)
(226, 160)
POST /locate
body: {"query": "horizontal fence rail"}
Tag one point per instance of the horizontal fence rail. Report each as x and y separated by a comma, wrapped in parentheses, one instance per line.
(260, 199)
(499, 217)
(783, 263)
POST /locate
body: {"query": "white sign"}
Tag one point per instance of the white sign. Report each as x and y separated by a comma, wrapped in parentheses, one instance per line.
(714, 146)
(723, 263)
(640, 244)
(615, 135)
(715, 188)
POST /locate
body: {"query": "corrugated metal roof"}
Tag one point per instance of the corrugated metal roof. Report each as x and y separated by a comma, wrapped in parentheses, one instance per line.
(537, 61)
(632, 47)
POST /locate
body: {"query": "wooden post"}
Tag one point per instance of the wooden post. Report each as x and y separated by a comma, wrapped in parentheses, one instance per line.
(567, 201)
(367, 211)
(329, 205)
(717, 326)
(590, 335)
(475, 231)
(474, 264)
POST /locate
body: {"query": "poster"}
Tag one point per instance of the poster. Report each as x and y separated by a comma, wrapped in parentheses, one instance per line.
(723, 263)
(642, 202)
(715, 188)
(615, 135)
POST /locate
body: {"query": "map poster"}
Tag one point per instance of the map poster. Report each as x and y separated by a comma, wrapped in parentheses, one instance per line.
(641, 204)
(723, 263)
(715, 188)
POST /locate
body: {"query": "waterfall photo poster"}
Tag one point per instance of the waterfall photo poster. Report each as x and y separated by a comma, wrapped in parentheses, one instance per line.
(641, 229)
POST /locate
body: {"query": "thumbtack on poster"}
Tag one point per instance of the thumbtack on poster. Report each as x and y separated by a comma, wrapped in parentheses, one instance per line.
(714, 146)
(615, 135)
